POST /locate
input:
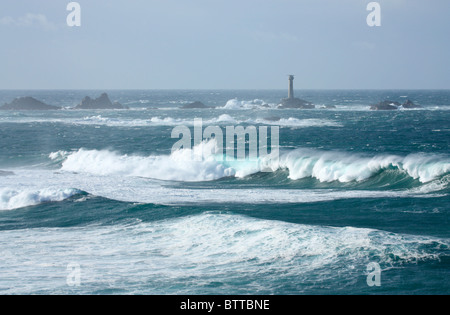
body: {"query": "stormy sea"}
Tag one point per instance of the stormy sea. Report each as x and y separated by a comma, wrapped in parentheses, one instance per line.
(98, 202)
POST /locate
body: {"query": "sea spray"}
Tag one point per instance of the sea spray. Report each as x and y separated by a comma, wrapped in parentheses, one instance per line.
(13, 199)
(325, 166)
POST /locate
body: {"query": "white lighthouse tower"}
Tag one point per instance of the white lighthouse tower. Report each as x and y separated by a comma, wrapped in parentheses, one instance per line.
(291, 87)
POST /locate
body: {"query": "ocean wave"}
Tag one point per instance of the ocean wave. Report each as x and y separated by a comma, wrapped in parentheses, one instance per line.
(152, 121)
(325, 166)
(221, 120)
(296, 123)
(224, 119)
(169, 121)
(99, 120)
(346, 167)
(187, 255)
(14, 199)
(6, 173)
(235, 104)
(181, 165)
(136, 188)
(240, 238)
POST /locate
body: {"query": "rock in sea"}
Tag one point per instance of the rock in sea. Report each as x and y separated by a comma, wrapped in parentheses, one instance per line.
(27, 103)
(385, 105)
(102, 102)
(389, 105)
(295, 103)
(410, 105)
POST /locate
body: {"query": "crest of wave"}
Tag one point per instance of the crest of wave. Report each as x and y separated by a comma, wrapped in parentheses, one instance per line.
(206, 161)
(196, 164)
(13, 199)
(236, 104)
(329, 166)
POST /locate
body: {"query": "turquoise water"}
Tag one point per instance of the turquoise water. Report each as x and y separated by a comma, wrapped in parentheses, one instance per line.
(101, 190)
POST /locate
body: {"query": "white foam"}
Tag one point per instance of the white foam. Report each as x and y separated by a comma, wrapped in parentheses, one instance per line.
(178, 166)
(152, 121)
(135, 178)
(168, 121)
(144, 190)
(346, 167)
(297, 123)
(326, 166)
(13, 199)
(185, 255)
(235, 104)
(223, 119)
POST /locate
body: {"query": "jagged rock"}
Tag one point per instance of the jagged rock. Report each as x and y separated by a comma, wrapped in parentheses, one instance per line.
(295, 103)
(27, 103)
(102, 102)
(409, 104)
(385, 105)
(194, 105)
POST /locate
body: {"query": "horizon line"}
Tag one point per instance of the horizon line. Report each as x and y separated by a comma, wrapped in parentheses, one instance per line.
(225, 89)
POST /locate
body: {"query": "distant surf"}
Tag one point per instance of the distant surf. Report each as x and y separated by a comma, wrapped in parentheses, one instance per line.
(221, 120)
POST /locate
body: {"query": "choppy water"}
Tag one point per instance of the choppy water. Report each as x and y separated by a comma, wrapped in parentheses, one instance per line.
(102, 191)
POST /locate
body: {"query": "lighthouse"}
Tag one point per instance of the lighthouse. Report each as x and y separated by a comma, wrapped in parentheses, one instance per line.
(291, 101)
(291, 87)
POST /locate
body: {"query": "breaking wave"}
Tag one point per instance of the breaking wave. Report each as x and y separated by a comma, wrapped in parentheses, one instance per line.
(188, 254)
(221, 120)
(254, 104)
(297, 123)
(203, 163)
(13, 199)
(179, 166)
(345, 167)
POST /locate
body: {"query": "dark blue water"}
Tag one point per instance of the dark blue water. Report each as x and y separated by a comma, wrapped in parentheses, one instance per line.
(101, 191)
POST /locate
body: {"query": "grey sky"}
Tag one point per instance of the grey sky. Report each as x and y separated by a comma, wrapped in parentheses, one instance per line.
(224, 44)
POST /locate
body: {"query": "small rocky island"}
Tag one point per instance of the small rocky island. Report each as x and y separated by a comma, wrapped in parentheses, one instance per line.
(390, 105)
(102, 102)
(293, 102)
(194, 105)
(409, 104)
(27, 103)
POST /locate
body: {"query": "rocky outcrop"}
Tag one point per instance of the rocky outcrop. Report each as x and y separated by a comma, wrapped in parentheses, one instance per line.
(295, 103)
(102, 102)
(410, 105)
(194, 105)
(389, 105)
(385, 105)
(27, 103)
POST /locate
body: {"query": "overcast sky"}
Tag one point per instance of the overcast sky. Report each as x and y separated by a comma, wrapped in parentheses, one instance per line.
(224, 44)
